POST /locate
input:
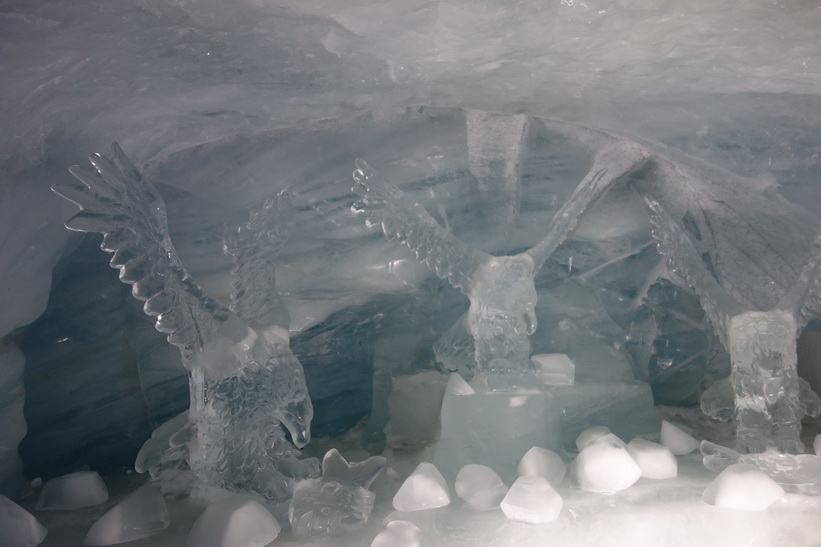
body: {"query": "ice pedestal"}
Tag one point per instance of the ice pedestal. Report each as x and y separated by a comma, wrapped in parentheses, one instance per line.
(496, 430)
(625, 407)
(142, 514)
(18, 527)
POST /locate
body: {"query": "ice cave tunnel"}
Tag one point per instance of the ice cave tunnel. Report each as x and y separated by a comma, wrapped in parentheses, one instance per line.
(571, 294)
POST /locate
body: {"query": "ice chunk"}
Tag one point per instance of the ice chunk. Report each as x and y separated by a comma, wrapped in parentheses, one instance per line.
(742, 486)
(234, 522)
(458, 386)
(73, 491)
(676, 439)
(605, 465)
(425, 488)
(18, 527)
(556, 368)
(480, 486)
(816, 445)
(141, 514)
(656, 461)
(325, 508)
(338, 469)
(398, 533)
(532, 500)
(540, 462)
(591, 434)
(413, 409)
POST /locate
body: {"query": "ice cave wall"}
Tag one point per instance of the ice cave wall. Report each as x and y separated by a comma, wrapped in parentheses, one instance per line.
(219, 103)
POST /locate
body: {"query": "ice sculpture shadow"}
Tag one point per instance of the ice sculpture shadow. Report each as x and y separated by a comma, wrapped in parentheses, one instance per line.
(501, 290)
(763, 392)
(245, 383)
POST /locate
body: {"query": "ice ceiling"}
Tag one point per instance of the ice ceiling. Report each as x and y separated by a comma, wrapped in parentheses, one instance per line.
(228, 103)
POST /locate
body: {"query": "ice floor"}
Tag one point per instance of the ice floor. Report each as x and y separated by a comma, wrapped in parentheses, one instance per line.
(650, 513)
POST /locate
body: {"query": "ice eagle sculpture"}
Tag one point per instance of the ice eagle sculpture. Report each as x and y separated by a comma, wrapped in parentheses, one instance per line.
(245, 383)
(501, 289)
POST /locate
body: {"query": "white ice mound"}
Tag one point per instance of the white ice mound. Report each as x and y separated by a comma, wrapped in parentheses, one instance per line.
(480, 487)
(556, 368)
(322, 508)
(679, 441)
(18, 527)
(73, 491)
(234, 522)
(458, 386)
(605, 465)
(742, 486)
(656, 460)
(398, 533)
(591, 434)
(540, 462)
(141, 514)
(425, 488)
(532, 500)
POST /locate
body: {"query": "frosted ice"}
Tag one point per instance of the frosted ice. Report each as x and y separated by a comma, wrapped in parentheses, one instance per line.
(321, 508)
(676, 439)
(244, 379)
(591, 434)
(532, 500)
(544, 463)
(398, 533)
(234, 522)
(18, 527)
(425, 488)
(743, 486)
(816, 445)
(605, 465)
(796, 473)
(480, 487)
(556, 368)
(73, 491)
(141, 514)
(656, 461)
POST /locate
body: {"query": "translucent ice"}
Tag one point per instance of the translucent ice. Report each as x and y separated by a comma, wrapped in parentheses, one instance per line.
(761, 344)
(591, 434)
(532, 500)
(676, 439)
(480, 487)
(141, 514)
(337, 469)
(18, 527)
(816, 445)
(234, 522)
(321, 508)
(605, 465)
(413, 409)
(742, 486)
(73, 491)
(656, 461)
(555, 368)
(458, 386)
(425, 488)
(244, 380)
(398, 533)
(501, 290)
(544, 463)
